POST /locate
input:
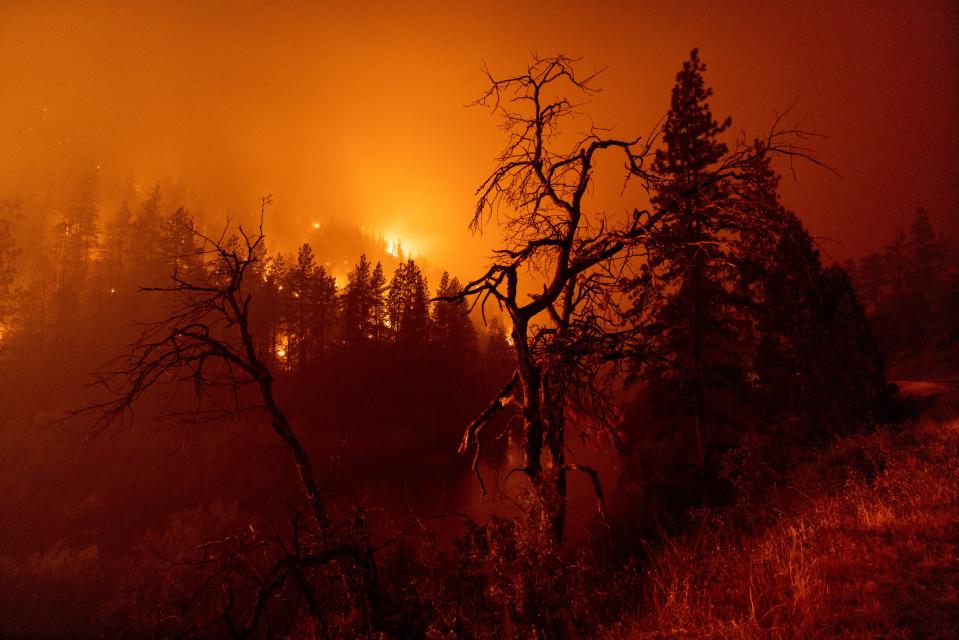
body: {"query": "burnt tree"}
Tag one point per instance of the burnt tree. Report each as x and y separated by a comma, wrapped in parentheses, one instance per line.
(325, 570)
(556, 274)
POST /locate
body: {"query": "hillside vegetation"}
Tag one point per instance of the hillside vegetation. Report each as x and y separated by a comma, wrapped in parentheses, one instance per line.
(862, 543)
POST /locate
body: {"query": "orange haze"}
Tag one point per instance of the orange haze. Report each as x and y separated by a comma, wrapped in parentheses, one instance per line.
(357, 111)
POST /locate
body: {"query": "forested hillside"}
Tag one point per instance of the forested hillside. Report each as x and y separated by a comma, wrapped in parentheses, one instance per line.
(658, 413)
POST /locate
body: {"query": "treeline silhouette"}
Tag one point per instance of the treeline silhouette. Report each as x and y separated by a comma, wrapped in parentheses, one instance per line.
(375, 373)
(910, 289)
(695, 350)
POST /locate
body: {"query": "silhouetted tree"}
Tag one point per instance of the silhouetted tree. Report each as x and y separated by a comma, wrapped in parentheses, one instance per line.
(378, 287)
(407, 308)
(559, 334)
(322, 569)
(115, 259)
(358, 302)
(75, 241)
(178, 245)
(309, 303)
(693, 262)
(452, 330)
(146, 251)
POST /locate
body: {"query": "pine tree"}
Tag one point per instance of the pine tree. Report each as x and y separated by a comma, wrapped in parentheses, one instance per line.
(310, 304)
(273, 310)
(453, 333)
(146, 247)
(407, 307)
(357, 303)
(298, 291)
(818, 368)
(75, 242)
(115, 249)
(378, 303)
(692, 259)
(180, 255)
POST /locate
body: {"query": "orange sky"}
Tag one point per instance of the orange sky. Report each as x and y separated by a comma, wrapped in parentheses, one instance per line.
(356, 110)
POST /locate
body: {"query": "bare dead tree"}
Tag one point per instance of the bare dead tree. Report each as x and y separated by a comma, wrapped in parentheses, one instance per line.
(207, 342)
(567, 258)
(565, 269)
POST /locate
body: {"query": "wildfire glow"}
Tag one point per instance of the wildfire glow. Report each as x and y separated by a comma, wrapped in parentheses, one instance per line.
(281, 346)
(394, 248)
(399, 247)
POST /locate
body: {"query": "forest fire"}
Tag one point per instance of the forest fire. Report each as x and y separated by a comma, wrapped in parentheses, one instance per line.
(582, 359)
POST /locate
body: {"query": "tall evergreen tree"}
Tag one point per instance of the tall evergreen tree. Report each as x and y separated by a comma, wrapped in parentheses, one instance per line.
(358, 299)
(146, 246)
(692, 258)
(179, 247)
(816, 367)
(310, 309)
(407, 306)
(453, 331)
(378, 303)
(76, 240)
(115, 249)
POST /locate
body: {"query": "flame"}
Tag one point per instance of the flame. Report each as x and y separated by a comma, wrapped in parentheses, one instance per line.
(394, 248)
(399, 247)
(281, 346)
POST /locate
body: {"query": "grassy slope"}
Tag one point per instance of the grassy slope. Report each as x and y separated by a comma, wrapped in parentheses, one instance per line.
(868, 547)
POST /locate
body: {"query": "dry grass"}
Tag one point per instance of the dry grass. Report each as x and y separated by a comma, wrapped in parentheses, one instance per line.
(868, 549)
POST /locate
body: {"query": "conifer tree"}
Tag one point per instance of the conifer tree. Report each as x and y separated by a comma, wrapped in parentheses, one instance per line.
(357, 304)
(453, 333)
(273, 309)
(114, 251)
(310, 297)
(691, 259)
(75, 242)
(378, 303)
(816, 366)
(299, 291)
(407, 306)
(178, 242)
(146, 249)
